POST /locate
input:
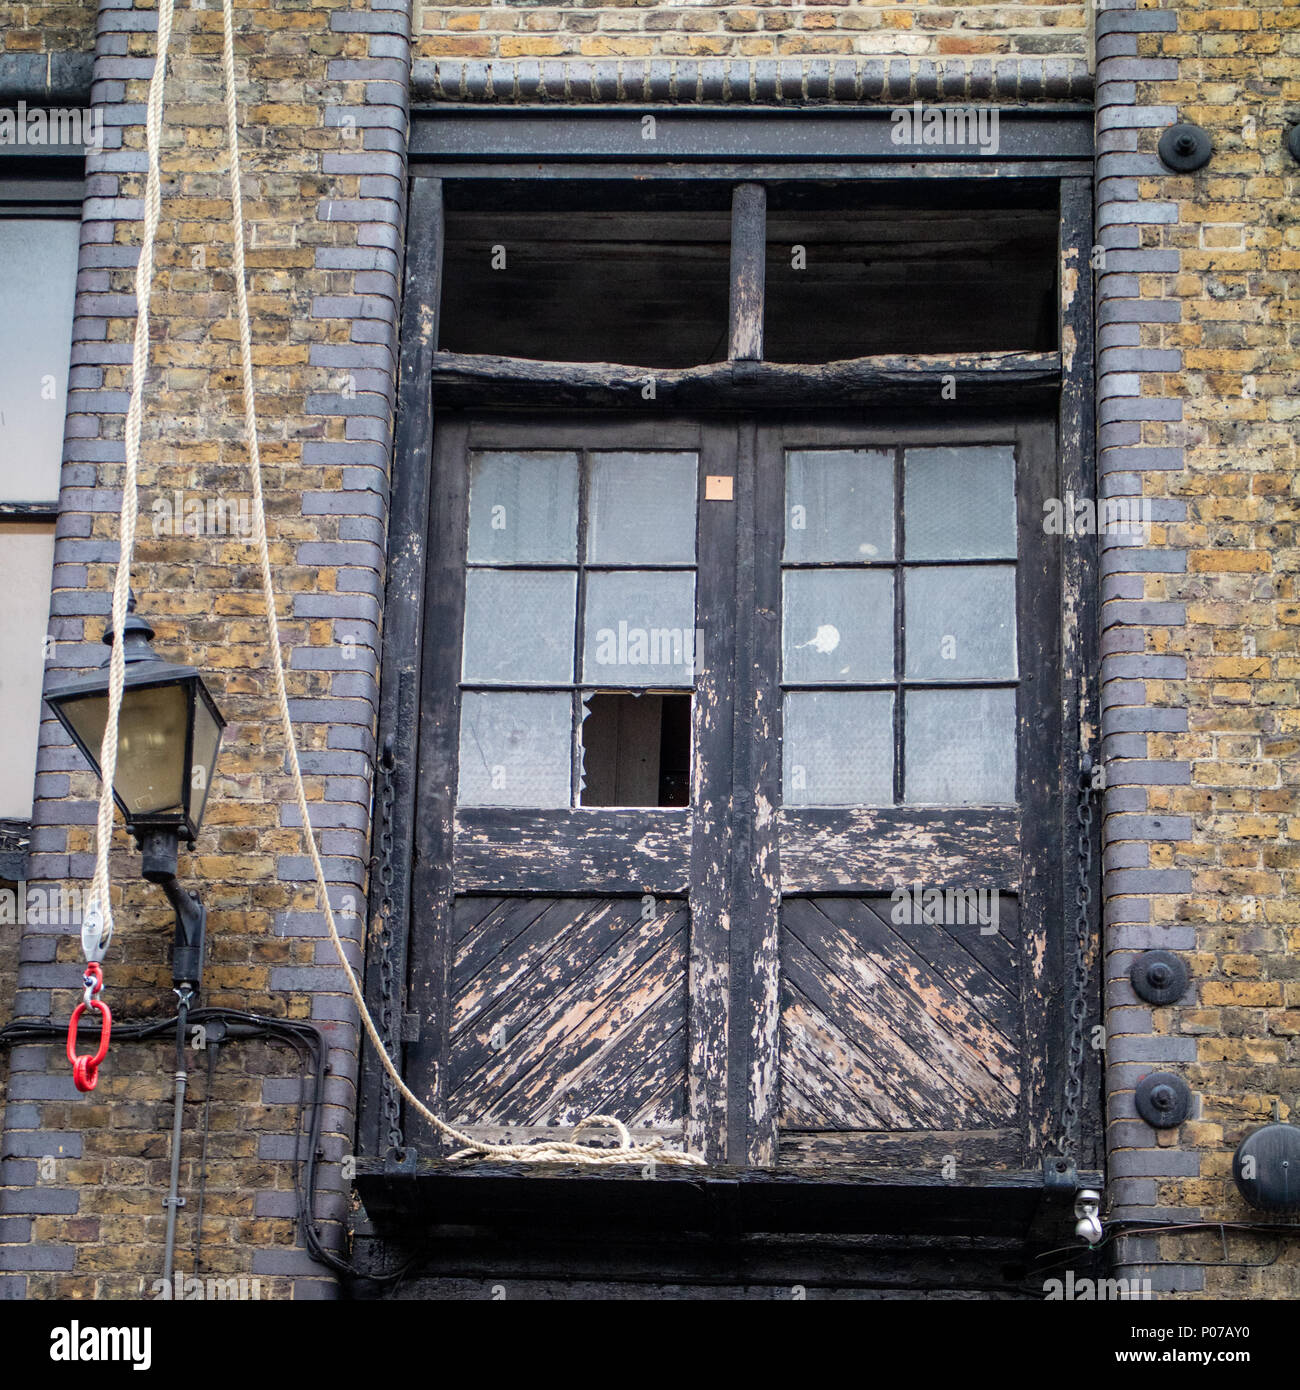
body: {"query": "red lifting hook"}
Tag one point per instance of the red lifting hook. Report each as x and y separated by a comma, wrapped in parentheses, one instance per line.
(85, 1070)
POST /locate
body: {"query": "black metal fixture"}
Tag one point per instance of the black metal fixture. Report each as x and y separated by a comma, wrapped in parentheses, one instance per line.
(1159, 977)
(169, 734)
(1266, 1168)
(1163, 1099)
(1293, 142)
(1184, 148)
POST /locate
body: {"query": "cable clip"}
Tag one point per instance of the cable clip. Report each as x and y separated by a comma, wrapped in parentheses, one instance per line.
(85, 1070)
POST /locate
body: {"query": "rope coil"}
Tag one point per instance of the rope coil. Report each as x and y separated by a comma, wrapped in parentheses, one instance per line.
(655, 1150)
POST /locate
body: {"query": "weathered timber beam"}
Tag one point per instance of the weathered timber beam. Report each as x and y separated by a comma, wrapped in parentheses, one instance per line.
(748, 270)
(485, 379)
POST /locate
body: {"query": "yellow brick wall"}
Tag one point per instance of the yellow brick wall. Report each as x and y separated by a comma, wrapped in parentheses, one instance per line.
(1237, 236)
(56, 27)
(764, 28)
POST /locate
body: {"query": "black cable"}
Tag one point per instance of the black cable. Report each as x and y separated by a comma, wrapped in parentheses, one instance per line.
(309, 1045)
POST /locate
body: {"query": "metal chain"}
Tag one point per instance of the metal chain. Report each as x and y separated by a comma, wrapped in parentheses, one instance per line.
(1068, 1142)
(388, 1007)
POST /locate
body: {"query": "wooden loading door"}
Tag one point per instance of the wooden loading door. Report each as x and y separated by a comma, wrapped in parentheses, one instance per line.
(736, 810)
(572, 849)
(904, 947)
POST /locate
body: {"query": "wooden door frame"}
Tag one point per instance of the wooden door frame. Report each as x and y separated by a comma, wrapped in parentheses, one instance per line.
(1067, 378)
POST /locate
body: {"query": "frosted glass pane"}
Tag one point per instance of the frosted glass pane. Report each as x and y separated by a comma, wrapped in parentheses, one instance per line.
(514, 749)
(523, 508)
(519, 626)
(26, 561)
(838, 625)
(838, 748)
(839, 505)
(960, 503)
(38, 274)
(960, 623)
(642, 509)
(960, 747)
(640, 629)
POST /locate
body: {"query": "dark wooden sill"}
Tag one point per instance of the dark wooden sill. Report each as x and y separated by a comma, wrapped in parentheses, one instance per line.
(717, 1200)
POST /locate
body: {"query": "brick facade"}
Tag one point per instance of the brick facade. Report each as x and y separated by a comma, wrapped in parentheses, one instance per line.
(1198, 370)
(771, 29)
(324, 111)
(1199, 365)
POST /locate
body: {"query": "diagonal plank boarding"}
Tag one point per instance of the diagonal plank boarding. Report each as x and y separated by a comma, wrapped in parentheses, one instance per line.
(894, 1027)
(566, 1007)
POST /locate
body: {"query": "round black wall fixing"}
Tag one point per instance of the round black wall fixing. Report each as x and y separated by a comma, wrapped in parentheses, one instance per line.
(1293, 142)
(1185, 148)
(1163, 1099)
(1266, 1168)
(1159, 977)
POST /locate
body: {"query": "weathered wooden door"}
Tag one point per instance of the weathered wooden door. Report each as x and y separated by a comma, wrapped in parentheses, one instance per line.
(735, 812)
(909, 704)
(574, 792)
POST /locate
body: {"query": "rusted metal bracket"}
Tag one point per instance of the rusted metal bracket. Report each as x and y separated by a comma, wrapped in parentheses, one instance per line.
(1060, 1177)
(400, 1160)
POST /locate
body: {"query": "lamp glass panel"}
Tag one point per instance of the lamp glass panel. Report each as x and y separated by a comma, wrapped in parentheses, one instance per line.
(207, 744)
(150, 745)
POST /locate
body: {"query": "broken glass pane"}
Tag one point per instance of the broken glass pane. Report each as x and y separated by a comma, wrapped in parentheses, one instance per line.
(642, 509)
(640, 629)
(838, 625)
(961, 623)
(838, 748)
(839, 505)
(960, 503)
(960, 747)
(636, 750)
(519, 626)
(514, 749)
(523, 508)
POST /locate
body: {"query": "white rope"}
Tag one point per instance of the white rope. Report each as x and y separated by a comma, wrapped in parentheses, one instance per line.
(97, 932)
(654, 1150)
(97, 920)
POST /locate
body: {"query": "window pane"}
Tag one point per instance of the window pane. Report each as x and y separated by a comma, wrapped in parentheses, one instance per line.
(838, 748)
(519, 626)
(38, 274)
(535, 270)
(960, 747)
(961, 623)
(855, 269)
(523, 507)
(839, 505)
(640, 629)
(514, 749)
(642, 509)
(838, 625)
(26, 560)
(960, 503)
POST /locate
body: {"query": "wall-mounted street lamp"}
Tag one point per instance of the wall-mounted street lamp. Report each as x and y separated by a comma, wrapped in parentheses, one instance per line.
(169, 734)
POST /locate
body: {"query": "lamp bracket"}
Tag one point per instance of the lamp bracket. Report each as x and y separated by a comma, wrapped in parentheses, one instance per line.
(159, 852)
